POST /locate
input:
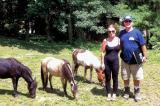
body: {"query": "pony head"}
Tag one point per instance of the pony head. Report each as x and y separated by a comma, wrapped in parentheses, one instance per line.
(100, 76)
(74, 89)
(32, 88)
(68, 74)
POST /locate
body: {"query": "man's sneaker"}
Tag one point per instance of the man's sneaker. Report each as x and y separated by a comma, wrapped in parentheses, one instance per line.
(109, 97)
(126, 96)
(137, 97)
(126, 92)
(114, 97)
(137, 94)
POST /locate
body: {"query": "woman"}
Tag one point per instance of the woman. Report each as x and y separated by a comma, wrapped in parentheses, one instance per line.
(110, 48)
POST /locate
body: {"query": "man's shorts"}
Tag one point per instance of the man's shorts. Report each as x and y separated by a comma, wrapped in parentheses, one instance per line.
(131, 69)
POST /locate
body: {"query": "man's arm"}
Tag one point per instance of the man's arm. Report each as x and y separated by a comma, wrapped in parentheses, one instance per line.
(144, 51)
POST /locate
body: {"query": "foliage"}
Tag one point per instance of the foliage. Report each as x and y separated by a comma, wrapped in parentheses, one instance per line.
(121, 10)
(142, 15)
(90, 15)
(57, 15)
(155, 39)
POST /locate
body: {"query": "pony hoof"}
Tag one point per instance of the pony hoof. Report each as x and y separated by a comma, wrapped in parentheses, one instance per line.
(103, 85)
(15, 95)
(91, 81)
(44, 89)
(65, 95)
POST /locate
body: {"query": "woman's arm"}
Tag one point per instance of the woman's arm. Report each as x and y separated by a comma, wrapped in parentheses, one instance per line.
(103, 50)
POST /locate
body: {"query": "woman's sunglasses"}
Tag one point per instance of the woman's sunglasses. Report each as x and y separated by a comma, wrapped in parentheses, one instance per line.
(113, 31)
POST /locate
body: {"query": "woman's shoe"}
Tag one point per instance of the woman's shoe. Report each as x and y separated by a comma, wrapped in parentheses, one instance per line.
(109, 97)
(114, 97)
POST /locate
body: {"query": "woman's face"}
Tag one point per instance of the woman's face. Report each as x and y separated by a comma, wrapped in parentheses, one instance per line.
(111, 32)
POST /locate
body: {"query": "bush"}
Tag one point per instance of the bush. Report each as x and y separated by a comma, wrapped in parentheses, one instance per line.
(155, 42)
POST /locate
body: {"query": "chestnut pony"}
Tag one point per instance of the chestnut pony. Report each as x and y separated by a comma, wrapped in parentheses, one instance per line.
(12, 68)
(88, 60)
(59, 68)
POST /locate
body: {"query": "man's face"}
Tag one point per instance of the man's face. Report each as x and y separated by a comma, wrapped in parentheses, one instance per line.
(127, 23)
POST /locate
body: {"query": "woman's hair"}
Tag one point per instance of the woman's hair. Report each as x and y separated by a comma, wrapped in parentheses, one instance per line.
(111, 26)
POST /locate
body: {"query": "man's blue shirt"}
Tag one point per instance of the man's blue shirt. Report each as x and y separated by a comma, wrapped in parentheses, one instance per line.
(130, 41)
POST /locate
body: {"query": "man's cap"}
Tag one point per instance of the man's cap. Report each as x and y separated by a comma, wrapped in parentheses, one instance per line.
(127, 18)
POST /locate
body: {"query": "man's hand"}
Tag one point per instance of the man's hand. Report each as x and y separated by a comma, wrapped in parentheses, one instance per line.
(144, 59)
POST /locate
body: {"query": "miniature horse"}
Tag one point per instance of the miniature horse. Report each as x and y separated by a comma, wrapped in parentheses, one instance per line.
(12, 68)
(89, 61)
(59, 68)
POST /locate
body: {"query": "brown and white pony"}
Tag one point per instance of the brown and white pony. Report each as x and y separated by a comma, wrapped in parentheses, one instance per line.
(88, 60)
(59, 68)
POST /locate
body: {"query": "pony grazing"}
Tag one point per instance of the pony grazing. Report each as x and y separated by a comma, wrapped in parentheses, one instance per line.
(89, 61)
(59, 68)
(12, 68)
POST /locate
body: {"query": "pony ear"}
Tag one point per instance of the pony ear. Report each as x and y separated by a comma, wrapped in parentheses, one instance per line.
(34, 78)
(35, 81)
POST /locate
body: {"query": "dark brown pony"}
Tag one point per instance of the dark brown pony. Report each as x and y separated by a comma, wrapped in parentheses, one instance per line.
(59, 68)
(12, 68)
(88, 60)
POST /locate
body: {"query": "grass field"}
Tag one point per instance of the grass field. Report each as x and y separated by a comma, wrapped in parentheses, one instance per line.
(93, 94)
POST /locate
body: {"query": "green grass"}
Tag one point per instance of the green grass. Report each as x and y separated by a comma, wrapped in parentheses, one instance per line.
(93, 94)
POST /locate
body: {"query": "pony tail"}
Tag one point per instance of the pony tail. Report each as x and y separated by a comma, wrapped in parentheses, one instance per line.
(44, 81)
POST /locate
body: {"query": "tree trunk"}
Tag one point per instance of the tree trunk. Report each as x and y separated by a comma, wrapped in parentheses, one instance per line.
(48, 28)
(27, 31)
(70, 30)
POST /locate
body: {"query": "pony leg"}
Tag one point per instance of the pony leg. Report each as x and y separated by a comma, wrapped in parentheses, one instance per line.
(85, 73)
(45, 80)
(64, 84)
(44, 77)
(75, 69)
(50, 80)
(91, 69)
(15, 83)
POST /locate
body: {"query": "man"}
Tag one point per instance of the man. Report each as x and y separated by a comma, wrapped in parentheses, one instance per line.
(131, 41)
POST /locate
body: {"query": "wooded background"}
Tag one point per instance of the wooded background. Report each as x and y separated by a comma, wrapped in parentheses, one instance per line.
(67, 20)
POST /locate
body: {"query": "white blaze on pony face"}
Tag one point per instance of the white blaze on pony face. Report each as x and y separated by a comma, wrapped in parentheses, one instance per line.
(88, 59)
(54, 66)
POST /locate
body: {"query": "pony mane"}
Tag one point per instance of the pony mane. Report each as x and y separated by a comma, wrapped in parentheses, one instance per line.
(79, 50)
(24, 69)
(67, 71)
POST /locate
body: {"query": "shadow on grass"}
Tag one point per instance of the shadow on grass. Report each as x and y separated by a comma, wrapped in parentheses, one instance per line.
(57, 92)
(10, 92)
(80, 78)
(43, 47)
(120, 92)
(98, 91)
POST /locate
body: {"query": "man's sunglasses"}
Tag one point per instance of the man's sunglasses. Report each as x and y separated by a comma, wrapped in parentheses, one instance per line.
(113, 31)
(127, 21)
